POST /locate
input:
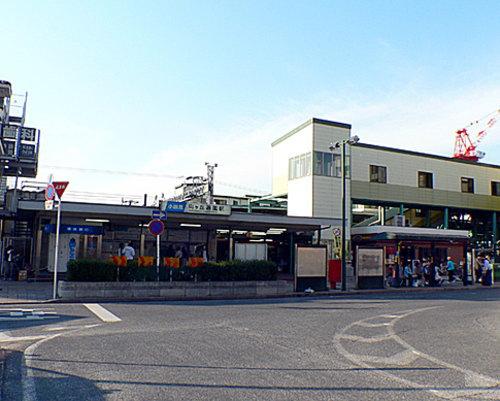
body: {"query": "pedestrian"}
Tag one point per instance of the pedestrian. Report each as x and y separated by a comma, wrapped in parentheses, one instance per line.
(451, 269)
(396, 276)
(427, 272)
(479, 268)
(408, 274)
(487, 272)
(418, 275)
(121, 247)
(438, 279)
(129, 251)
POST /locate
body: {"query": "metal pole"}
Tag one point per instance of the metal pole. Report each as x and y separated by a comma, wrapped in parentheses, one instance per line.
(344, 267)
(158, 258)
(56, 257)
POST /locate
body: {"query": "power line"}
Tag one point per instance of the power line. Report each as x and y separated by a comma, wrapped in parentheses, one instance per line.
(152, 175)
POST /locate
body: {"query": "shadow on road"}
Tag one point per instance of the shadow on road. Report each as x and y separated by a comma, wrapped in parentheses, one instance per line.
(21, 323)
(50, 384)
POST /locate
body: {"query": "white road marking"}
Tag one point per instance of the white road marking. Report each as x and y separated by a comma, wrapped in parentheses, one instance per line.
(477, 386)
(103, 314)
(5, 338)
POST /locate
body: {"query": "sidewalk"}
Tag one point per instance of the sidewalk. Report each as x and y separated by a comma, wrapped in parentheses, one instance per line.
(21, 292)
(17, 292)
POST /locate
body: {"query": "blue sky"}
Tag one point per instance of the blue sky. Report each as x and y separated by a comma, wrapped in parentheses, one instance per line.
(162, 87)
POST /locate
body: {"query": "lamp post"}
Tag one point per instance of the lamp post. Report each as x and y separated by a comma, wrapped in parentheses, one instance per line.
(342, 145)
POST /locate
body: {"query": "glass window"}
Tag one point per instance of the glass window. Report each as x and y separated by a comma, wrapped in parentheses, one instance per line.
(425, 180)
(495, 188)
(302, 165)
(296, 167)
(378, 174)
(308, 164)
(290, 169)
(327, 164)
(318, 163)
(467, 185)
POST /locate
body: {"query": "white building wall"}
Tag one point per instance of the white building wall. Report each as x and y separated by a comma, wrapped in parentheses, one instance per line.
(324, 135)
(300, 197)
(298, 143)
(402, 169)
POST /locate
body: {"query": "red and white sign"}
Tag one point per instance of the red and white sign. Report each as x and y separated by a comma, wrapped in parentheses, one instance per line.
(50, 193)
(60, 187)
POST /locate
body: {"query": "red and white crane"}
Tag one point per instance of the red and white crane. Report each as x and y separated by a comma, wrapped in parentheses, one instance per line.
(465, 147)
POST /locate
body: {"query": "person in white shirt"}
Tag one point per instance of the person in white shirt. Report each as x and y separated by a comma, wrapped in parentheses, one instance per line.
(129, 251)
(487, 272)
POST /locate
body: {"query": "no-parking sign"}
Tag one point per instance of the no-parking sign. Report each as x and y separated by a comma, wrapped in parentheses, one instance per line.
(156, 227)
(50, 193)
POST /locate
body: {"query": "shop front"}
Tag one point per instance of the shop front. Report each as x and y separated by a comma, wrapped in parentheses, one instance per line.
(98, 230)
(378, 249)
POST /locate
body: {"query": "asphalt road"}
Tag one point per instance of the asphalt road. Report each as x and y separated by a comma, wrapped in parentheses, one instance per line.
(384, 347)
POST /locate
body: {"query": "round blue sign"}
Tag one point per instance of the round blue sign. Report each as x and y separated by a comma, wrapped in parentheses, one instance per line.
(156, 227)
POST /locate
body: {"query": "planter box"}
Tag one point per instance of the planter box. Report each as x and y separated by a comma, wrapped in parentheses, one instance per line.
(173, 290)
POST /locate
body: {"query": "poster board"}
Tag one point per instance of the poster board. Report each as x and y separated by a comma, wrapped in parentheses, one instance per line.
(370, 262)
(311, 262)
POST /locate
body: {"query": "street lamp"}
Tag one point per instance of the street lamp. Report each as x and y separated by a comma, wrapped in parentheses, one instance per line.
(341, 144)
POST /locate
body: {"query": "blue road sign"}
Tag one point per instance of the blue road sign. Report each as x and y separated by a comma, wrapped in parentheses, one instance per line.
(159, 215)
(156, 227)
(175, 207)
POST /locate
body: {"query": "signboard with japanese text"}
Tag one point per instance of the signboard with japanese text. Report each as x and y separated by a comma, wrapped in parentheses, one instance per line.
(174, 207)
(74, 229)
(196, 208)
(203, 208)
(11, 131)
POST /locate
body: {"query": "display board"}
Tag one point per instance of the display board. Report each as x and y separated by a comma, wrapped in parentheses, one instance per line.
(311, 262)
(370, 262)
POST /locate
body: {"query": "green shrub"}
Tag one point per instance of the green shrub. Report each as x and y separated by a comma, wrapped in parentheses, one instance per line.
(237, 270)
(90, 270)
(232, 270)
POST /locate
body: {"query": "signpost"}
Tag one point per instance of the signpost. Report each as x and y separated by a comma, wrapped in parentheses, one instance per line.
(58, 187)
(156, 228)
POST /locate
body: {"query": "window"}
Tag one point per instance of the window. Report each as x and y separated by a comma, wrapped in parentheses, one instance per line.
(378, 174)
(318, 163)
(495, 188)
(299, 166)
(468, 185)
(330, 164)
(424, 180)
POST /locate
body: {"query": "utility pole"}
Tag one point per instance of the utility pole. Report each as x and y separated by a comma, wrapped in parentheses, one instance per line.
(210, 182)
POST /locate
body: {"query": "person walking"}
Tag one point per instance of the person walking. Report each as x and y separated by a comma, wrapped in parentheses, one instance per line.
(487, 272)
(408, 274)
(479, 269)
(121, 247)
(451, 269)
(129, 251)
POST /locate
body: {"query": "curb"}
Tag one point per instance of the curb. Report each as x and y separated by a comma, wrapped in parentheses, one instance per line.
(336, 293)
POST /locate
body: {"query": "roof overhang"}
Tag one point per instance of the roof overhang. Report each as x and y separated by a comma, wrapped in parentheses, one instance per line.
(408, 233)
(124, 214)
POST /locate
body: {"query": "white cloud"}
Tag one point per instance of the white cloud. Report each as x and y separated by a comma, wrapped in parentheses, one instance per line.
(412, 118)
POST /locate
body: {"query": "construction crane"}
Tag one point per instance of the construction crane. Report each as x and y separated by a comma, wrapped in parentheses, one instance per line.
(465, 147)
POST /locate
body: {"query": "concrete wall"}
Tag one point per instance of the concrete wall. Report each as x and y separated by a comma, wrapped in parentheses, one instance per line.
(300, 197)
(298, 142)
(173, 290)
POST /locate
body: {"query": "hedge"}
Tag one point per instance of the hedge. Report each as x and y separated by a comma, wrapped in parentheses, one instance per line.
(233, 270)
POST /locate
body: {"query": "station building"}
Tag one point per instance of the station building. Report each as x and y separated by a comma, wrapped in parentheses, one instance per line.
(387, 187)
